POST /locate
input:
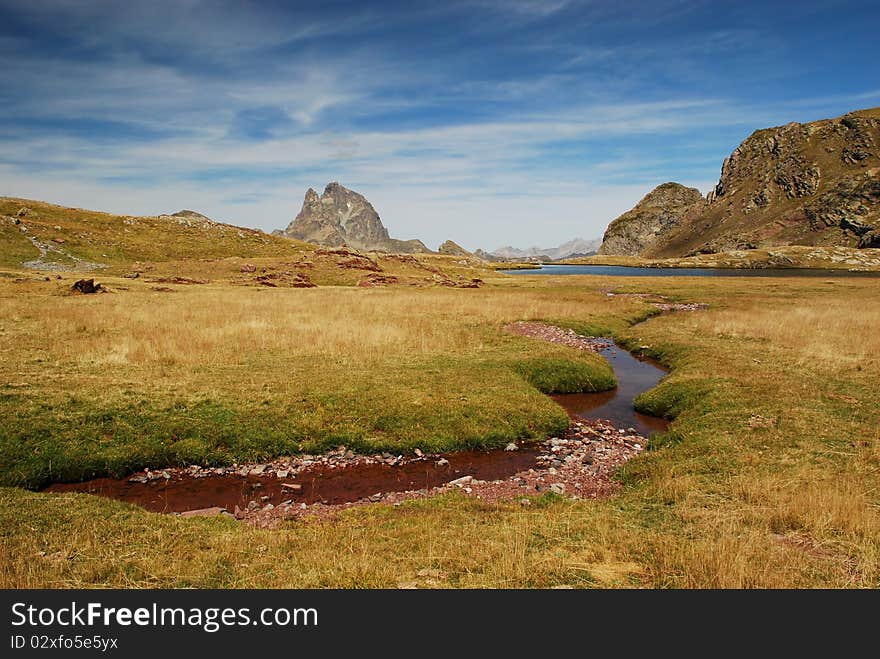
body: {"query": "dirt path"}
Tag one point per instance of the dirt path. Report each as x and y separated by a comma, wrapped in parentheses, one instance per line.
(41, 264)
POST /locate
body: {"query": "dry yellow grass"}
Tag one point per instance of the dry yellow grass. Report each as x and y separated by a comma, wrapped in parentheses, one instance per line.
(217, 325)
(772, 480)
(839, 332)
(216, 373)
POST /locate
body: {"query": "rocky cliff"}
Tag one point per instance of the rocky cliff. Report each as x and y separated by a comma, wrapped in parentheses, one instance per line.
(814, 184)
(343, 217)
(663, 209)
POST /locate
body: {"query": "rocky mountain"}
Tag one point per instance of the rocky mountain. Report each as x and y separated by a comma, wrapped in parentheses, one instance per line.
(451, 248)
(343, 217)
(663, 209)
(814, 184)
(578, 246)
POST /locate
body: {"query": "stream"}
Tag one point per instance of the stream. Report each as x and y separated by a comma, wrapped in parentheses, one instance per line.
(341, 478)
(634, 375)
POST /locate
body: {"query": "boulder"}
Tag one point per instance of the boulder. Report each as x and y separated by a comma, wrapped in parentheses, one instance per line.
(86, 287)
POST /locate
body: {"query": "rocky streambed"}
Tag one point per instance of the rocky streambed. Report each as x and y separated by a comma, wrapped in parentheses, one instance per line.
(578, 463)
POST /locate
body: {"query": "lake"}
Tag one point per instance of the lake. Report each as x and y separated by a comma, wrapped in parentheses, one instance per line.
(629, 271)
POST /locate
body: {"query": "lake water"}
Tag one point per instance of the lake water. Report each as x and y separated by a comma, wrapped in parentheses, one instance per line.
(629, 271)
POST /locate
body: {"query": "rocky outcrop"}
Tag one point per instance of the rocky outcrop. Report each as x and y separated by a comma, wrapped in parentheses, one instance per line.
(814, 184)
(853, 206)
(662, 209)
(189, 218)
(341, 217)
(191, 215)
(454, 249)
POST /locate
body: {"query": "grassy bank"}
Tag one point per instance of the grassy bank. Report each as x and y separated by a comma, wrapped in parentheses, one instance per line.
(770, 476)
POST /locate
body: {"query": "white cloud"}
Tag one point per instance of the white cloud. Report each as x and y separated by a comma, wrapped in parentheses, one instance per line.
(464, 182)
(530, 158)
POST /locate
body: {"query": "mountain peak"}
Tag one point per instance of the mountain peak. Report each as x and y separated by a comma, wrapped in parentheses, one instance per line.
(659, 211)
(344, 217)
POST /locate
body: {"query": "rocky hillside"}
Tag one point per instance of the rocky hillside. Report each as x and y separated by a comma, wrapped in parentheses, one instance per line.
(814, 184)
(342, 217)
(663, 209)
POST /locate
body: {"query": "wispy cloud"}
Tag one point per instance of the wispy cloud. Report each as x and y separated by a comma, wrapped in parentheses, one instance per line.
(487, 122)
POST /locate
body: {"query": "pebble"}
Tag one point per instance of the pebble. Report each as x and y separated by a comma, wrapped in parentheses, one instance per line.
(554, 334)
(204, 512)
(458, 482)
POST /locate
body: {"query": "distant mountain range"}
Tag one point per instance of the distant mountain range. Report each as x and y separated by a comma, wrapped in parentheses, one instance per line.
(575, 247)
(341, 216)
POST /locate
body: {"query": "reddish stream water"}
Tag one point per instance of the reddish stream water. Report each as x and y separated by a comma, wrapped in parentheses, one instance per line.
(634, 375)
(322, 484)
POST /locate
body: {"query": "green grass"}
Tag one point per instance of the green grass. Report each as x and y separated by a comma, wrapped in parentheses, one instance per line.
(15, 248)
(462, 406)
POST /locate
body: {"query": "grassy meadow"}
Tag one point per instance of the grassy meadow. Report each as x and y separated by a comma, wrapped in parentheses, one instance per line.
(768, 477)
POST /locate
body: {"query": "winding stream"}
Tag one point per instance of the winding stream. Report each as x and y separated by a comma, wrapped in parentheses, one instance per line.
(334, 482)
(634, 375)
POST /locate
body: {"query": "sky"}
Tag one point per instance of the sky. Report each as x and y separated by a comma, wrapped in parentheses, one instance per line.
(487, 122)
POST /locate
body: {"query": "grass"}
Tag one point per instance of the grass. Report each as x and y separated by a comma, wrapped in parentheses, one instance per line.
(769, 476)
(106, 384)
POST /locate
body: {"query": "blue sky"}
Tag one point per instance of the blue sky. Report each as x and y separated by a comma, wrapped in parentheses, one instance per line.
(483, 121)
